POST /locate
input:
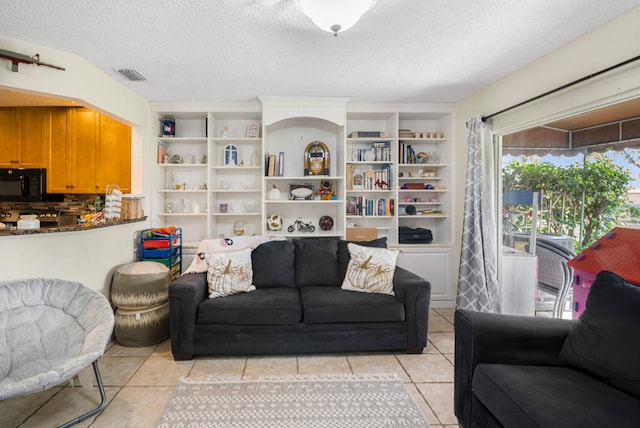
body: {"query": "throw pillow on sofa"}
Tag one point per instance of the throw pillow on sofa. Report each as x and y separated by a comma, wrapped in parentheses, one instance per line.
(229, 273)
(344, 256)
(606, 339)
(370, 269)
(225, 245)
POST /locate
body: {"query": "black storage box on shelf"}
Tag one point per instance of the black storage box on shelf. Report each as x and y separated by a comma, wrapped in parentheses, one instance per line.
(414, 235)
(165, 248)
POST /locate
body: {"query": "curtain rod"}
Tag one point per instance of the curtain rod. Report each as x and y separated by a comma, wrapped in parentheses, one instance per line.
(560, 88)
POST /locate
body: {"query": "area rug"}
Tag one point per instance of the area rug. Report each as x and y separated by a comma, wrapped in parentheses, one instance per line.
(377, 400)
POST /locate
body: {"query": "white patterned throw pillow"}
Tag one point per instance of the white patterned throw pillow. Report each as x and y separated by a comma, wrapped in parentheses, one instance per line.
(229, 273)
(370, 269)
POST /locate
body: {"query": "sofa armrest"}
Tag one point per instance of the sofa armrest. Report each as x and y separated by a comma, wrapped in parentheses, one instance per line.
(501, 339)
(185, 294)
(415, 293)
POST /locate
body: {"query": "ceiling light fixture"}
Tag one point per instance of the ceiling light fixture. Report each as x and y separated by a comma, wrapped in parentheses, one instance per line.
(335, 16)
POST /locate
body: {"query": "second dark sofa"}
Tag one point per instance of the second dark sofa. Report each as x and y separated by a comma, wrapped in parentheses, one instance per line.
(299, 307)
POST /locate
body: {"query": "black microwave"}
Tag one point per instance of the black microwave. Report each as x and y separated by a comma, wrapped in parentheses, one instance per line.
(22, 184)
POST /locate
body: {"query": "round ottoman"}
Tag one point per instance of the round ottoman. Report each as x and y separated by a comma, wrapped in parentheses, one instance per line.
(142, 327)
(139, 291)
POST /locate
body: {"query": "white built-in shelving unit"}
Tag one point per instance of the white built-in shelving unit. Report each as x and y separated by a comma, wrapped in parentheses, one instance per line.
(217, 195)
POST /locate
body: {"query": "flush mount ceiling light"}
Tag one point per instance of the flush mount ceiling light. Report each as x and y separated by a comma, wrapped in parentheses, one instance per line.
(335, 16)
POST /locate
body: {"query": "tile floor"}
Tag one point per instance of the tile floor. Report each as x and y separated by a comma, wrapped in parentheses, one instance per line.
(139, 381)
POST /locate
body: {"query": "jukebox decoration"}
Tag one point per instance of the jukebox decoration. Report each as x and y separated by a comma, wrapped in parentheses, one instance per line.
(316, 159)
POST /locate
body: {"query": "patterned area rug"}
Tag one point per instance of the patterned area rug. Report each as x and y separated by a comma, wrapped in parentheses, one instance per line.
(366, 401)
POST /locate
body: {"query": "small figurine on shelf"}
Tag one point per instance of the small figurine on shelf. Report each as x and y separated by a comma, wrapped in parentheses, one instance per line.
(326, 192)
(225, 132)
(301, 226)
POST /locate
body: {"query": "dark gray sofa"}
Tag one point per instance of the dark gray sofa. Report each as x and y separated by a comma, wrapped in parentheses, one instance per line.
(540, 372)
(298, 307)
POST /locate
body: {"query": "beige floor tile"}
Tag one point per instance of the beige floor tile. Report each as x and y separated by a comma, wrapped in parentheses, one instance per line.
(323, 364)
(270, 366)
(430, 348)
(438, 323)
(135, 407)
(117, 350)
(440, 399)
(382, 363)
(116, 371)
(427, 367)
(218, 366)
(451, 358)
(67, 405)
(446, 311)
(163, 349)
(160, 371)
(422, 404)
(15, 410)
(444, 342)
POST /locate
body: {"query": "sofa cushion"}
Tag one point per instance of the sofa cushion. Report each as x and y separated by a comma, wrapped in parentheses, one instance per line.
(544, 396)
(606, 339)
(275, 306)
(370, 270)
(344, 256)
(317, 262)
(274, 265)
(335, 305)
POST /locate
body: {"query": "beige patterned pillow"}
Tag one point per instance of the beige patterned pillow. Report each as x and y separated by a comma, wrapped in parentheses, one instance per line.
(370, 269)
(229, 273)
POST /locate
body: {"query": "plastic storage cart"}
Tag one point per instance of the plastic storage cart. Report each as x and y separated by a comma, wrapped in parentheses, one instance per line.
(163, 246)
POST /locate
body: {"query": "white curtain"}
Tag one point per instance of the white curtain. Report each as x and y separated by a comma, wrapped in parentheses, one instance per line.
(477, 279)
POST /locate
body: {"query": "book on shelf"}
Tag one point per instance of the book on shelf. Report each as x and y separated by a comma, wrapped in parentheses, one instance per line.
(366, 134)
(271, 165)
(382, 207)
(281, 164)
(378, 152)
(406, 153)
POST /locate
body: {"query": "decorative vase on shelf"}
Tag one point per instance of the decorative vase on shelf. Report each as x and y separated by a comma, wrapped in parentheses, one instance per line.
(274, 193)
(238, 228)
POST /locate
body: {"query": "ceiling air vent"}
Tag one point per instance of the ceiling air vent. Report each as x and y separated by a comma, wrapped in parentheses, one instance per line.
(131, 74)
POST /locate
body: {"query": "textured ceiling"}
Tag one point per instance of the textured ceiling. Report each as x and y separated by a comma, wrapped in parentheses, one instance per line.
(235, 50)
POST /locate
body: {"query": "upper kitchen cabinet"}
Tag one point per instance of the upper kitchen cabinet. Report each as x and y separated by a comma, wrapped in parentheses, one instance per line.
(23, 140)
(87, 152)
(113, 154)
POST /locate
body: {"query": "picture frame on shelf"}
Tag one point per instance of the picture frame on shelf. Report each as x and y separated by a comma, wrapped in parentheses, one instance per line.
(230, 155)
(253, 130)
(351, 204)
(357, 181)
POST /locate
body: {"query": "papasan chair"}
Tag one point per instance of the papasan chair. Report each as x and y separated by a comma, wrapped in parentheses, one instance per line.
(50, 330)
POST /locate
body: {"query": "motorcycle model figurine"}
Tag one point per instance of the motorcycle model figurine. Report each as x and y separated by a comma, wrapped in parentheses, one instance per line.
(301, 226)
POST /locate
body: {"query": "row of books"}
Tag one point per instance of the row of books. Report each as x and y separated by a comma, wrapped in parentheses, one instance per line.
(379, 152)
(274, 165)
(360, 205)
(406, 154)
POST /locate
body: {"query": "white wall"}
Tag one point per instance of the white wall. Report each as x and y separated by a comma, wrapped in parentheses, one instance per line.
(86, 256)
(610, 44)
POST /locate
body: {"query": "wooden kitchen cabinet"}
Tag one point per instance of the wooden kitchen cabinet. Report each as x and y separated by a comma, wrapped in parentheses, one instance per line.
(87, 152)
(58, 161)
(23, 140)
(113, 155)
(71, 167)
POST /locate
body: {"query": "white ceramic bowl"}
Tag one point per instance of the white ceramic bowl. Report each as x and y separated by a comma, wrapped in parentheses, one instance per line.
(250, 206)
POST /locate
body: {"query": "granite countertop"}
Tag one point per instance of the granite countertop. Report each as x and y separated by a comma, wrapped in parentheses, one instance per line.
(71, 228)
